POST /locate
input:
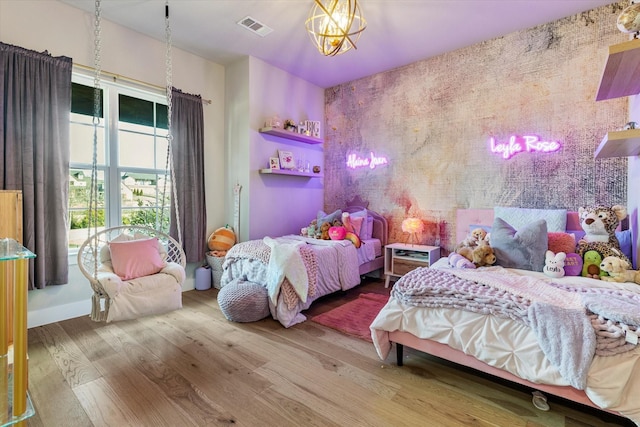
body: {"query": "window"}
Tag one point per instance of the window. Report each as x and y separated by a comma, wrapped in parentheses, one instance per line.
(134, 186)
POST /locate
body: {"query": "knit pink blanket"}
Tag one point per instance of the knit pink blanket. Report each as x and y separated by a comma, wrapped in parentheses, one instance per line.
(258, 250)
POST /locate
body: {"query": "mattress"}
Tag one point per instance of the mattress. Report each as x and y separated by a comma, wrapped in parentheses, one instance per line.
(613, 382)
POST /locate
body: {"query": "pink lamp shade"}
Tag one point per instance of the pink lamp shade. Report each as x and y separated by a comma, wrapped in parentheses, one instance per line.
(412, 225)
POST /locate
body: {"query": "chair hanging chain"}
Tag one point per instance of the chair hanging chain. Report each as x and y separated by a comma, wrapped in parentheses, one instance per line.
(93, 190)
(169, 160)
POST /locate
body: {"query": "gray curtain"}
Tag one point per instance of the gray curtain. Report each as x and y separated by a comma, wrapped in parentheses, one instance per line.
(35, 106)
(187, 129)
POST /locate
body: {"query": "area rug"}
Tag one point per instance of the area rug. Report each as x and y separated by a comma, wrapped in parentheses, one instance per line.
(354, 317)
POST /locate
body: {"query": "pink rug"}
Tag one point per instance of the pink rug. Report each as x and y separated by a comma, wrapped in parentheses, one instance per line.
(354, 317)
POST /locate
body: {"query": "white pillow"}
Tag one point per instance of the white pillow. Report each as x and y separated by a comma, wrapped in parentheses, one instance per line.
(518, 218)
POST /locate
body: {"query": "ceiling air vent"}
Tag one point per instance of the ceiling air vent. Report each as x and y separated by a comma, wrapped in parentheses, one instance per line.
(254, 26)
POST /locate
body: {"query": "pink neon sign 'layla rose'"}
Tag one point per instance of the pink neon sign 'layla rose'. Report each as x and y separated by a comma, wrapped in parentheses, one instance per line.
(518, 144)
(354, 161)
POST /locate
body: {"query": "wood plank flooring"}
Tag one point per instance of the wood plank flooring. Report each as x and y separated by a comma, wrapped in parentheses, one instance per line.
(192, 367)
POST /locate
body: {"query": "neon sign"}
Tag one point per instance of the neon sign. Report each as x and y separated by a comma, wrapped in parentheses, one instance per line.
(519, 144)
(354, 161)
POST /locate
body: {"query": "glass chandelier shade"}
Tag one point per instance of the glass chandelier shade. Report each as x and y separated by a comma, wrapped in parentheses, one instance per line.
(335, 26)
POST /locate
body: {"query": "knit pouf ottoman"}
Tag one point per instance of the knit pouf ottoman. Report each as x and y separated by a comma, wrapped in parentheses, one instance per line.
(242, 301)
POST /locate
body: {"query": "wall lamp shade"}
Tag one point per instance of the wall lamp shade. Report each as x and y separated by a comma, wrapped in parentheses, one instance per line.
(413, 226)
(335, 26)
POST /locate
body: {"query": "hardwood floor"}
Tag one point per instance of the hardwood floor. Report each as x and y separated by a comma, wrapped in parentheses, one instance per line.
(192, 367)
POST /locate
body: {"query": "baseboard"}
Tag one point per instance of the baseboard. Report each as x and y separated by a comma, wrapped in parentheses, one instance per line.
(58, 313)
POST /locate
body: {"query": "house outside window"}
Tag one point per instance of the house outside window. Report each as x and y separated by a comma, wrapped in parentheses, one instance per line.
(134, 185)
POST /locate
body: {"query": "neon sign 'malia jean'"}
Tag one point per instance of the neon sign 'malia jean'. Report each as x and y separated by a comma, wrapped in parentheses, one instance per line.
(526, 143)
(353, 161)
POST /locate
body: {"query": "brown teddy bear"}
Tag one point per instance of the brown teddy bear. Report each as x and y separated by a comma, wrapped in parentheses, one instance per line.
(324, 231)
(481, 255)
(473, 239)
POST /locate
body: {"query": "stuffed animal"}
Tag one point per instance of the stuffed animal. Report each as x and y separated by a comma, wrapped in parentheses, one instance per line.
(481, 255)
(591, 265)
(554, 264)
(324, 231)
(473, 239)
(599, 223)
(458, 261)
(352, 234)
(619, 270)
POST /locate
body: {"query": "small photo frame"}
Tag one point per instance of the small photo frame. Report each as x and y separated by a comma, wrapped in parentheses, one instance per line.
(286, 160)
(274, 163)
(313, 128)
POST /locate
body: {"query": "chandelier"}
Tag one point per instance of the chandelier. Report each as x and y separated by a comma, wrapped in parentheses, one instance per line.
(335, 25)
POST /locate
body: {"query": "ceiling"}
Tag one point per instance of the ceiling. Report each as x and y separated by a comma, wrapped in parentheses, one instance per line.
(398, 32)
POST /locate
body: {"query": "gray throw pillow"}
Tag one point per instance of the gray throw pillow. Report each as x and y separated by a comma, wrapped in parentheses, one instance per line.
(524, 248)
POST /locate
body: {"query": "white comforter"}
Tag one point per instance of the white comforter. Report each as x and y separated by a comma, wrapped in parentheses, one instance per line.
(337, 270)
(613, 382)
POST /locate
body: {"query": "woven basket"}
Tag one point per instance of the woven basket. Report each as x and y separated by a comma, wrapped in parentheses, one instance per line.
(215, 262)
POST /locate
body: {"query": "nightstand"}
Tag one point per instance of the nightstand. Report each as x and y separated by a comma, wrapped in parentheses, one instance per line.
(401, 258)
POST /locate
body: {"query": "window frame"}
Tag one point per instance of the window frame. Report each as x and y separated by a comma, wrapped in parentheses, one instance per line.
(111, 168)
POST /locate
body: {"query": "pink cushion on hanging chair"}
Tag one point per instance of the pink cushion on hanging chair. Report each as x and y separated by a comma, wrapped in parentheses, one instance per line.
(136, 258)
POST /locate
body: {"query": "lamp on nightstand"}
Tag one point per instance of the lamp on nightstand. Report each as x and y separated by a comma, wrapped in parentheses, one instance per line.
(413, 226)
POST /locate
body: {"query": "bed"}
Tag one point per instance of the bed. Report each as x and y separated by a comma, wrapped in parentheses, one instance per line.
(330, 265)
(527, 347)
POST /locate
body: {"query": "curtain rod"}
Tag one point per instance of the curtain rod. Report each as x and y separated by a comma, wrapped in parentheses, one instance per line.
(129, 79)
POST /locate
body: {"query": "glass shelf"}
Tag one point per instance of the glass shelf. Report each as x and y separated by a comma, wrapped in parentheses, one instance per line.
(11, 250)
(10, 419)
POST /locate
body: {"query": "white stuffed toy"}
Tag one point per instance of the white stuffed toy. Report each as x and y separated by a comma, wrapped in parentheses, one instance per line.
(554, 264)
(619, 270)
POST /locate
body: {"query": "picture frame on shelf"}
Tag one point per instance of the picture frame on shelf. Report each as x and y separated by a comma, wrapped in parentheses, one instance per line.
(313, 128)
(287, 160)
(274, 163)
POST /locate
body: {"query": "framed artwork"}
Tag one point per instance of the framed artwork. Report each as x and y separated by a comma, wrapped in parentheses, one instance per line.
(286, 159)
(274, 163)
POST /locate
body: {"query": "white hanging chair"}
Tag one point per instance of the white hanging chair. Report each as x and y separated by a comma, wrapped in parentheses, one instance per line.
(157, 285)
(117, 299)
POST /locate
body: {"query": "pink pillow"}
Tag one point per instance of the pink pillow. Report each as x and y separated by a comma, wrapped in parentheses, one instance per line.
(135, 258)
(357, 225)
(561, 242)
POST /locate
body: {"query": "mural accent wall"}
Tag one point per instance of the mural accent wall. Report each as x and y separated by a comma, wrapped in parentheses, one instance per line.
(433, 121)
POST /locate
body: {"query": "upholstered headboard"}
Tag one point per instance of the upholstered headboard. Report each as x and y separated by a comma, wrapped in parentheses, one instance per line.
(380, 225)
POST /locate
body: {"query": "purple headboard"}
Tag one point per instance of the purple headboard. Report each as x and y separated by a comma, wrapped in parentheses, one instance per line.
(380, 225)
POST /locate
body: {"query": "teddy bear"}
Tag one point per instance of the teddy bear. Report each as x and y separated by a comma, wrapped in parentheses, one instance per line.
(619, 270)
(474, 238)
(599, 224)
(324, 231)
(554, 264)
(480, 255)
(483, 255)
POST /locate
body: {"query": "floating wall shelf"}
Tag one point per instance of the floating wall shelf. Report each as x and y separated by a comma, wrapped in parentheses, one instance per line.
(291, 135)
(291, 173)
(621, 75)
(621, 143)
